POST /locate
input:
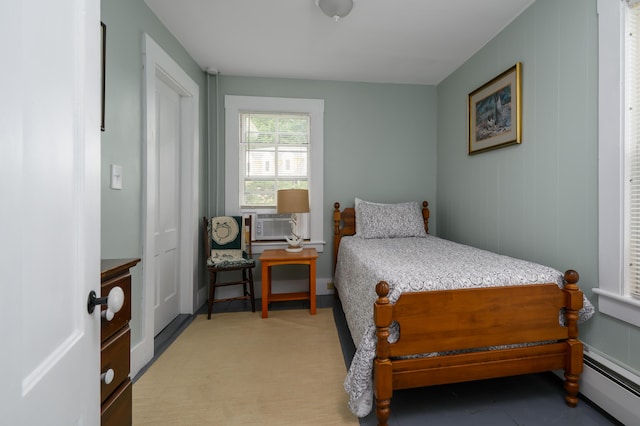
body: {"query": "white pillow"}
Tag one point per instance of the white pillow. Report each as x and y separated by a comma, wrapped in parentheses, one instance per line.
(356, 204)
(390, 220)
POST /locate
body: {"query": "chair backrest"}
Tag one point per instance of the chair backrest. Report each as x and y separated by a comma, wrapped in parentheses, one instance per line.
(227, 233)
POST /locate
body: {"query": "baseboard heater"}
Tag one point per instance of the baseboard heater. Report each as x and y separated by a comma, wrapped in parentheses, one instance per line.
(610, 387)
(619, 380)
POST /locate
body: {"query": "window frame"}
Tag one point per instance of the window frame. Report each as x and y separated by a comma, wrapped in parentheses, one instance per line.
(612, 299)
(234, 105)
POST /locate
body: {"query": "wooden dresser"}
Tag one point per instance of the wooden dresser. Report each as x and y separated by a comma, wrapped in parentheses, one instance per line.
(115, 396)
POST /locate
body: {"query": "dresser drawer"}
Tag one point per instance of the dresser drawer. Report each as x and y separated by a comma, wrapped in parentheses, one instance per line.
(117, 410)
(122, 317)
(115, 355)
(115, 397)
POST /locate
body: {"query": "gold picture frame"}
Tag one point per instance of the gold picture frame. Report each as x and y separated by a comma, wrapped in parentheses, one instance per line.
(495, 112)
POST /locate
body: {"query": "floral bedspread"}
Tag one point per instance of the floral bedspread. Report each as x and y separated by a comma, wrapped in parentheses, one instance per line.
(410, 265)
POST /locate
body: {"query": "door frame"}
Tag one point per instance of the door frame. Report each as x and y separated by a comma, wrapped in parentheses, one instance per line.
(158, 64)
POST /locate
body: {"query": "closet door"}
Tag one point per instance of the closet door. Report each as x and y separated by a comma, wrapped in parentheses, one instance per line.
(167, 233)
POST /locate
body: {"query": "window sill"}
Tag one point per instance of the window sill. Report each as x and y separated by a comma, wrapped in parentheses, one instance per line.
(624, 308)
(259, 247)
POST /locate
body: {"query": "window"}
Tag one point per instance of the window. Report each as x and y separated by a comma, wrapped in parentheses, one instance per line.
(272, 144)
(619, 177)
(274, 155)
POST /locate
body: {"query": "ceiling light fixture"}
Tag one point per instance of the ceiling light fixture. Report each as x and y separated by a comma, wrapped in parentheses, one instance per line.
(335, 9)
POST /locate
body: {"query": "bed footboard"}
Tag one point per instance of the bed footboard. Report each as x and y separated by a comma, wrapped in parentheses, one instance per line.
(452, 320)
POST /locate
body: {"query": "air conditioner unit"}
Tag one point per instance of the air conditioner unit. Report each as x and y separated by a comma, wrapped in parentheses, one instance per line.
(273, 226)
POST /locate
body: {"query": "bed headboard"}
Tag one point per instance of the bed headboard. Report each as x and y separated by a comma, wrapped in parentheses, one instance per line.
(344, 223)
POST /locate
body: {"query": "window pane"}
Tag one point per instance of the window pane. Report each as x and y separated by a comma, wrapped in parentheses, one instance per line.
(292, 162)
(259, 128)
(298, 124)
(261, 163)
(294, 130)
(259, 185)
(260, 137)
(253, 200)
(262, 122)
(294, 138)
(293, 184)
(259, 192)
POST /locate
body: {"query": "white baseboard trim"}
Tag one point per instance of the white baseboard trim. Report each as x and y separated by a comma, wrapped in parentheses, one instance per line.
(279, 286)
(611, 387)
(140, 356)
(290, 286)
(202, 296)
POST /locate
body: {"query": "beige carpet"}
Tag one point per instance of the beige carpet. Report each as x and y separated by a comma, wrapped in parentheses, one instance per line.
(240, 369)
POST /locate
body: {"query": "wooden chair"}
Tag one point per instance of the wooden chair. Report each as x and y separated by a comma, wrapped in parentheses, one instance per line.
(228, 248)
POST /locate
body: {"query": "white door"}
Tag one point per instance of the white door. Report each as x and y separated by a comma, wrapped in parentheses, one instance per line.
(159, 66)
(167, 233)
(50, 211)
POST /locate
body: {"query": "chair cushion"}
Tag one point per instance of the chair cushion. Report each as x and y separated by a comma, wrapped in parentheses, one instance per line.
(229, 259)
(225, 232)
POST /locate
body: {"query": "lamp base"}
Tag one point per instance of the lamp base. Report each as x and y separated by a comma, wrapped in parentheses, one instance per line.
(294, 241)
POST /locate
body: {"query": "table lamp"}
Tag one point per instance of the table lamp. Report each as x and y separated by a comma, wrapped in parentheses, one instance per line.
(293, 201)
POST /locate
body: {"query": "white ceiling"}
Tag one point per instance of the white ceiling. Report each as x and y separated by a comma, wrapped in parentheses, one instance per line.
(380, 41)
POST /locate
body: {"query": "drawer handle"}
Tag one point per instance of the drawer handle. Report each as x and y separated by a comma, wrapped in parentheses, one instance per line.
(114, 302)
(107, 377)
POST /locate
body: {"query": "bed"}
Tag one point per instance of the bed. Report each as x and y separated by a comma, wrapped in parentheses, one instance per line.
(425, 311)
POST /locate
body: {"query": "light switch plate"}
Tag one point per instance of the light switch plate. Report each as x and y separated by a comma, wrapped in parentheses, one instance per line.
(116, 176)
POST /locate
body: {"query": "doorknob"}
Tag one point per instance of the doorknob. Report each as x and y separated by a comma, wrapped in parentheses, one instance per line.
(114, 302)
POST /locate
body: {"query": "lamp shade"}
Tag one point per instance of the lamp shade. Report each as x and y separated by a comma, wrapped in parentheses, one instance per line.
(293, 201)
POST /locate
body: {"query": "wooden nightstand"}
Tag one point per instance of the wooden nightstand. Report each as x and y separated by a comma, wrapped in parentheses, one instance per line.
(271, 258)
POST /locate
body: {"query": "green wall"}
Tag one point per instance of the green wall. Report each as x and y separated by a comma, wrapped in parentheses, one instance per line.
(379, 141)
(538, 200)
(122, 142)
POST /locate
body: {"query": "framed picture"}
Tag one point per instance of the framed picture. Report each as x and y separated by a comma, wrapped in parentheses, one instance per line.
(495, 112)
(103, 56)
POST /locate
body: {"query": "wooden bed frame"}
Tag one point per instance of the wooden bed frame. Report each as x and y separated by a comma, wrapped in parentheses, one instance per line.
(437, 321)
